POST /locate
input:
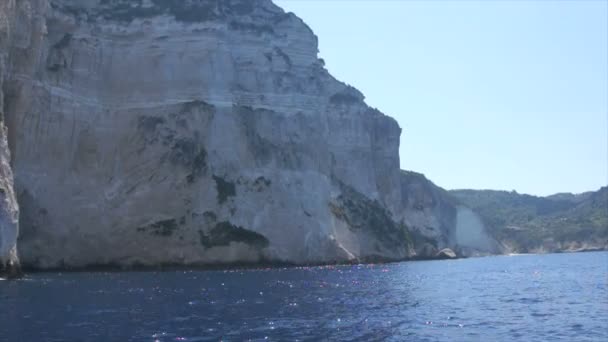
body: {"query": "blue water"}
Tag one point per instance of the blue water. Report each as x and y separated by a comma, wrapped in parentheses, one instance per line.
(529, 297)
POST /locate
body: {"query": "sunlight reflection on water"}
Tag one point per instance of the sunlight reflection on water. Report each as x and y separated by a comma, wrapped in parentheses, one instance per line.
(532, 297)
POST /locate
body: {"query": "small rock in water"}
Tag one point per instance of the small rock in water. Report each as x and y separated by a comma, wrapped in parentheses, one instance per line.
(446, 253)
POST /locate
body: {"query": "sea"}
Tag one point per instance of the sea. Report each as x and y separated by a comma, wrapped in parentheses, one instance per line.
(552, 297)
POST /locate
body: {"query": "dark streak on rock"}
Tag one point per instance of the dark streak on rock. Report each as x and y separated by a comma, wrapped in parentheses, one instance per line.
(223, 233)
(162, 228)
(64, 42)
(261, 183)
(224, 188)
(363, 214)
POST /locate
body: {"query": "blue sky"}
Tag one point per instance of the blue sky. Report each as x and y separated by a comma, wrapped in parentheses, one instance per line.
(509, 95)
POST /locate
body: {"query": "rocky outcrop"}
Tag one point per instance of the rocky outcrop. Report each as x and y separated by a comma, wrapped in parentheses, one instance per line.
(9, 209)
(428, 211)
(437, 220)
(149, 132)
(192, 132)
(446, 253)
(9, 214)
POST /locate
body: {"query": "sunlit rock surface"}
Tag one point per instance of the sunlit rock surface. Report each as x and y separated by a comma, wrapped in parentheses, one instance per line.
(9, 209)
(437, 220)
(192, 132)
(196, 132)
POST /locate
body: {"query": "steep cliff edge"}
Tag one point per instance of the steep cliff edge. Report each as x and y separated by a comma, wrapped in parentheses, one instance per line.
(9, 209)
(149, 132)
(192, 132)
(438, 220)
(9, 213)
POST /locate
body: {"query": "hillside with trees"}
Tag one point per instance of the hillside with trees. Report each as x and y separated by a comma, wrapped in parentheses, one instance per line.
(531, 224)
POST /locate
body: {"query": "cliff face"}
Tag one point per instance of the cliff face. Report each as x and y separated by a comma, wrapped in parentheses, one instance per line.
(149, 132)
(192, 132)
(9, 209)
(437, 220)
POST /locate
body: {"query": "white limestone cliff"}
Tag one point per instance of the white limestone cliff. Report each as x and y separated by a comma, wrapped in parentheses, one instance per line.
(9, 209)
(151, 132)
(437, 220)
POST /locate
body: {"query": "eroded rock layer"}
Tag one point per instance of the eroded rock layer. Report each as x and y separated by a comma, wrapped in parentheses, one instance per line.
(149, 132)
(191, 132)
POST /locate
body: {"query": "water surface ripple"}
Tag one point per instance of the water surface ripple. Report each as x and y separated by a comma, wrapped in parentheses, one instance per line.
(529, 297)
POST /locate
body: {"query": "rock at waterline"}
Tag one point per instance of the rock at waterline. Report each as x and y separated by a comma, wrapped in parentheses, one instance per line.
(446, 253)
(10, 270)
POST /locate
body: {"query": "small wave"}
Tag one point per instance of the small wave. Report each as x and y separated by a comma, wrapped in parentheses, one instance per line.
(540, 314)
(529, 300)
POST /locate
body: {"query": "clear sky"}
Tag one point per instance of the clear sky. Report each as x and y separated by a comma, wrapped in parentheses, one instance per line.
(509, 95)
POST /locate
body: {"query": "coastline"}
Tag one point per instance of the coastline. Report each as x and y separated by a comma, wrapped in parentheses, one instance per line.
(113, 268)
(267, 265)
